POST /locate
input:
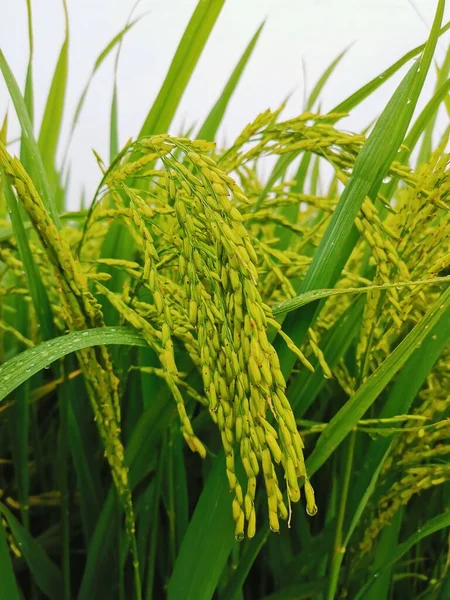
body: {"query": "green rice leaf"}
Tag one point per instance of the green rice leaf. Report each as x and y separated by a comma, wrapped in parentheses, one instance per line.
(246, 560)
(387, 542)
(287, 306)
(305, 388)
(291, 212)
(315, 176)
(299, 591)
(432, 526)
(366, 494)
(29, 89)
(427, 141)
(212, 122)
(444, 589)
(39, 176)
(183, 64)
(82, 447)
(97, 64)
(321, 82)
(340, 237)
(53, 113)
(423, 121)
(146, 435)
(179, 485)
(65, 398)
(277, 173)
(153, 524)
(113, 127)
(114, 117)
(98, 563)
(19, 418)
(357, 97)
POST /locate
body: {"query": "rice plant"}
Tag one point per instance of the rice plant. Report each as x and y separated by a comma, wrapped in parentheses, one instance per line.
(218, 385)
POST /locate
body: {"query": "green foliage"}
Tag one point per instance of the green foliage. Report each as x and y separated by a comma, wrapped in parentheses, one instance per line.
(177, 361)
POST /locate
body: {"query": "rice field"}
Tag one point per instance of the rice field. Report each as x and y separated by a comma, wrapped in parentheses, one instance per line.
(219, 385)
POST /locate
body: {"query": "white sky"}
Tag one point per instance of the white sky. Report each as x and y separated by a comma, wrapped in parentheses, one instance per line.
(313, 31)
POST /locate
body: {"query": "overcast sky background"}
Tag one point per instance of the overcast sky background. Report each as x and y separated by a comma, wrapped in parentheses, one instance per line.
(310, 31)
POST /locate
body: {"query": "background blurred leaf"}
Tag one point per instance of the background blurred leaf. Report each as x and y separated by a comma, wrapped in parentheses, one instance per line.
(40, 177)
(45, 573)
(9, 584)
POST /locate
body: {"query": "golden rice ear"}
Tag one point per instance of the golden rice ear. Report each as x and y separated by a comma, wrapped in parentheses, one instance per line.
(220, 306)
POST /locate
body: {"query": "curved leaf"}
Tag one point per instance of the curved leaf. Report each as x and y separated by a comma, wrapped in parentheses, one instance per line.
(23, 366)
(290, 305)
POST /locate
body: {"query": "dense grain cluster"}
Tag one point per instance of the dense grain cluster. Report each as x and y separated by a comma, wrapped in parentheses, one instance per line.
(216, 298)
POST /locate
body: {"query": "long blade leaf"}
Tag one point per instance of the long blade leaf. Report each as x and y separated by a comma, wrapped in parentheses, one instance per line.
(40, 177)
(183, 64)
(209, 128)
(53, 113)
(357, 97)
(370, 167)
